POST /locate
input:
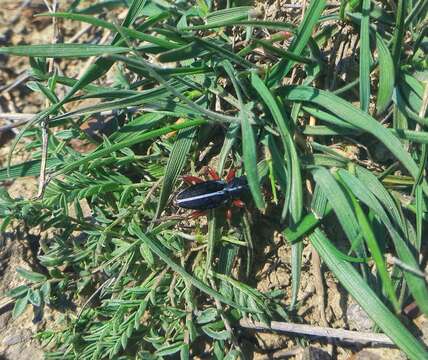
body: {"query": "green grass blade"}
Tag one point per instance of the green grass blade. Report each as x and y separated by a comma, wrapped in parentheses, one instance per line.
(341, 206)
(271, 25)
(133, 34)
(320, 210)
(375, 252)
(420, 8)
(420, 137)
(328, 117)
(296, 271)
(281, 173)
(284, 53)
(249, 151)
(100, 152)
(185, 52)
(398, 36)
(29, 168)
(249, 148)
(312, 15)
(249, 240)
(228, 15)
(296, 191)
(416, 284)
(156, 248)
(134, 11)
(350, 114)
(405, 109)
(386, 75)
(228, 143)
(60, 51)
(319, 203)
(308, 223)
(136, 126)
(193, 106)
(365, 56)
(419, 199)
(412, 91)
(212, 237)
(372, 183)
(156, 97)
(223, 52)
(367, 299)
(175, 165)
(94, 72)
(328, 130)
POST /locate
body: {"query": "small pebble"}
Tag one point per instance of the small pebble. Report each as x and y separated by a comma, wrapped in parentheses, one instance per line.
(358, 319)
(13, 340)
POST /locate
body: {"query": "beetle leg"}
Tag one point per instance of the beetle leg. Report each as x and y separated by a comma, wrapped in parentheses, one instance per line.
(213, 174)
(238, 203)
(229, 215)
(230, 175)
(192, 180)
(197, 214)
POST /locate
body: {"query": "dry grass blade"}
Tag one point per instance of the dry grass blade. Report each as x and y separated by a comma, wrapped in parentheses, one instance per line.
(318, 331)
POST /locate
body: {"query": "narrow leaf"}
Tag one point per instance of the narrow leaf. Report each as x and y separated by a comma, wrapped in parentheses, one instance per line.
(365, 56)
(31, 275)
(62, 50)
(417, 285)
(177, 268)
(367, 299)
(296, 191)
(249, 150)
(175, 164)
(350, 114)
(20, 306)
(304, 32)
(126, 143)
(386, 75)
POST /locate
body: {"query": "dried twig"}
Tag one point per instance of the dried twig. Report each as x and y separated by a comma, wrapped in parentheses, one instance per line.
(79, 34)
(17, 119)
(42, 178)
(226, 322)
(395, 261)
(18, 81)
(22, 119)
(326, 332)
(104, 285)
(45, 122)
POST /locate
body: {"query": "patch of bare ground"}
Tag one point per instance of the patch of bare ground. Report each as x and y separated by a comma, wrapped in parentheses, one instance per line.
(18, 247)
(16, 335)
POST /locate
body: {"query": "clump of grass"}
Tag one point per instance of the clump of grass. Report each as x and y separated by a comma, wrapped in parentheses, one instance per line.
(146, 285)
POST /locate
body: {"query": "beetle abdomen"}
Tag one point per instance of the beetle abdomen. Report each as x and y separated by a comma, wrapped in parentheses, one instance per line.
(203, 196)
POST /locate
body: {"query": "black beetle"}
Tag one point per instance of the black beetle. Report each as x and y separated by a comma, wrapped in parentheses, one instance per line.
(212, 194)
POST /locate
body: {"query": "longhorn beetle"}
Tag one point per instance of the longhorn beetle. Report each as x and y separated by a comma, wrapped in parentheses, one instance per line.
(205, 195)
